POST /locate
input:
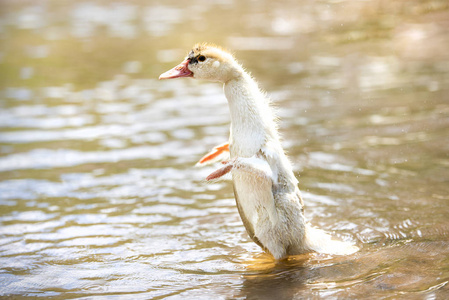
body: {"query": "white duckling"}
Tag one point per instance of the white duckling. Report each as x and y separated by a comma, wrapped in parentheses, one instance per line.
(265, 188)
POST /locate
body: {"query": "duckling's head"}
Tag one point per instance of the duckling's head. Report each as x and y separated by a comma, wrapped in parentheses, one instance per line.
(207, 62)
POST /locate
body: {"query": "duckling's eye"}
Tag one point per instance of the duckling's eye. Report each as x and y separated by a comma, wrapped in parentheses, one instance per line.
(201, 58)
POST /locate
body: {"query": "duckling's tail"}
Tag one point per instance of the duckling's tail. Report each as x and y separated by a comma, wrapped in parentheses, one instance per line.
(321, 242)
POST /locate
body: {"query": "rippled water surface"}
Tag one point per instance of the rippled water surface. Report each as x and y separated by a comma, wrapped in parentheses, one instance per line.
(99, 196)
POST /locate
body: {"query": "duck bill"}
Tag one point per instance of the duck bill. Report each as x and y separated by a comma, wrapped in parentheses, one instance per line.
(180, 70)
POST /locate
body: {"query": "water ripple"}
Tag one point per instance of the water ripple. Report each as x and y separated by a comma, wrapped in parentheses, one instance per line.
(98, 194)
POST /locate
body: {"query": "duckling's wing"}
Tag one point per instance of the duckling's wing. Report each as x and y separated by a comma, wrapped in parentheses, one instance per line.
(246, 222)
(252, 182)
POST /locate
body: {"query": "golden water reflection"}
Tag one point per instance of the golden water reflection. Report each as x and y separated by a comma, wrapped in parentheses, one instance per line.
(98, 194)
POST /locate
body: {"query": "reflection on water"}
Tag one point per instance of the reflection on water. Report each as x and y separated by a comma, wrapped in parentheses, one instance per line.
(98, 193)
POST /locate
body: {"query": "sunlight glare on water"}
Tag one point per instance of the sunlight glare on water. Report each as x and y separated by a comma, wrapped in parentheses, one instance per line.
(99, 196)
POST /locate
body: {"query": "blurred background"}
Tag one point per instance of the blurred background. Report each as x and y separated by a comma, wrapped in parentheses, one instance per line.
(98, 193)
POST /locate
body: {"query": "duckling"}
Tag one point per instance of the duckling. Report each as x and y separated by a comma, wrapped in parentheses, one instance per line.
(266, 192)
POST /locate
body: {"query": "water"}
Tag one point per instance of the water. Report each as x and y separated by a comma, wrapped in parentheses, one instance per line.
(98, 194)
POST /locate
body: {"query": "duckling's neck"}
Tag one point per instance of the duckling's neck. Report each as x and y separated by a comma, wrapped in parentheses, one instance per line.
(252, 123)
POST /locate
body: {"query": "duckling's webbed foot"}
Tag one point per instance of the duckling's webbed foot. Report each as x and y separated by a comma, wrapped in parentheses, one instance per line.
(251, 165)
(220, 172)
(220, 152)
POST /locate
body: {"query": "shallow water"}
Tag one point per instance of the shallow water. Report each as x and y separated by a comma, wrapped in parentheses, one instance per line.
(98, 194)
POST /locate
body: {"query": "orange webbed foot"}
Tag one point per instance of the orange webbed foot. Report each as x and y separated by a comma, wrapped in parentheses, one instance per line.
(220, 172)
(220, 152)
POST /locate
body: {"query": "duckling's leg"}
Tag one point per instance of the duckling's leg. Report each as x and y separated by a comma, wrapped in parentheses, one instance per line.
(253, 165)
(220, 172)
(219, 152)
